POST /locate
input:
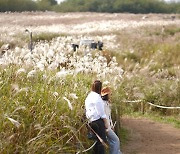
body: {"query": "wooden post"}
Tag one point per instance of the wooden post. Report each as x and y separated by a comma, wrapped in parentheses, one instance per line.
(142, 107)
(31, 43)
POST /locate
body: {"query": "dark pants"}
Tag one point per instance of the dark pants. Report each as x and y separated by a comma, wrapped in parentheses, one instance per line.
(99, 127)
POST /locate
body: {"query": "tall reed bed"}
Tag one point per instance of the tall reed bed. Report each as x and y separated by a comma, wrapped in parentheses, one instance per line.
(40, 115)
(151, 74)
(42, 97)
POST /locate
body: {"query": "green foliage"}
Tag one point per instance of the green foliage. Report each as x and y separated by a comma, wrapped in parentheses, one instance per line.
(146, 6)
(26, 5)
(124, 135)
(44, 5)
(132, 6)
(17, 5)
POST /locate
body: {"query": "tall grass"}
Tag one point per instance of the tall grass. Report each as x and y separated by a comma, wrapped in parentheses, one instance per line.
(43, 120)
(151, 67)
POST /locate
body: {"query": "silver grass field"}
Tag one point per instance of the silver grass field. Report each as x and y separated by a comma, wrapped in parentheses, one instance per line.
(42, 92)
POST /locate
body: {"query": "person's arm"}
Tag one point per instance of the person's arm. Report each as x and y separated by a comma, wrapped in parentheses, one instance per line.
(110, 118)
(106, 123)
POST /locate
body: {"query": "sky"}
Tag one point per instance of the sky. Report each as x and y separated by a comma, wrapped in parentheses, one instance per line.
(164, 0)
(59, 1)
(172, 0)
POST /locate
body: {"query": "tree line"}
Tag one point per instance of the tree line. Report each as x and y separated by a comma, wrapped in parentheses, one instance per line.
(27, 5)
(111, 6)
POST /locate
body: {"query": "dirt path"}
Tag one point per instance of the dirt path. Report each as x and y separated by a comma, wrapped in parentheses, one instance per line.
(149, 137)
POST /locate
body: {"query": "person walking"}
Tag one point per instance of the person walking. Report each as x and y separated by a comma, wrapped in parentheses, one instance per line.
(95, 113)
(112, 138)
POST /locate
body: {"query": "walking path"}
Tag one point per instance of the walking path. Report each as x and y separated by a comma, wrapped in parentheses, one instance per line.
(149, 137)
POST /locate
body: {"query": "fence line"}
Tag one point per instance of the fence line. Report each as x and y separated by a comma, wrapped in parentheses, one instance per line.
(134, 101)
(163, 107)
(159, 106)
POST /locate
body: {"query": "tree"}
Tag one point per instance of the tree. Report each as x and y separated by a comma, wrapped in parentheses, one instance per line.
(50, 2)
(53, 2)
(17, 5)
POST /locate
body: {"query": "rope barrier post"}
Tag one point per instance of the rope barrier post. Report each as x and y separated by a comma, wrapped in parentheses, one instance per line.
(142, 107)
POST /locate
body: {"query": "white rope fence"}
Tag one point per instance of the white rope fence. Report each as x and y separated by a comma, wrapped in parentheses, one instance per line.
(159, 106)
(163, 107)
(135, 101)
